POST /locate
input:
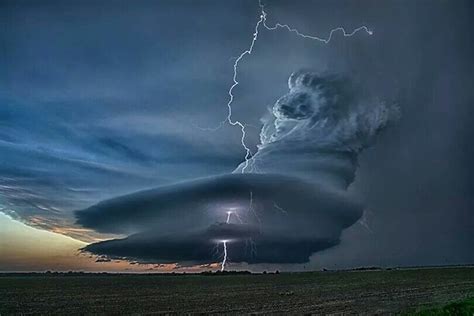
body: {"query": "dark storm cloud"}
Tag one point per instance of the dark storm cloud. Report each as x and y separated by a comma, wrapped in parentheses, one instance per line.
(207, 200)
(165, 223)
(288, 196)
(200, 249)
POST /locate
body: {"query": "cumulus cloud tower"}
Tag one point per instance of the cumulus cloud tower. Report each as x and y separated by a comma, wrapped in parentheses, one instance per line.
(318, 128)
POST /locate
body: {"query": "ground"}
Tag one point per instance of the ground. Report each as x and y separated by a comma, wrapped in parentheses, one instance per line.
(367, 292)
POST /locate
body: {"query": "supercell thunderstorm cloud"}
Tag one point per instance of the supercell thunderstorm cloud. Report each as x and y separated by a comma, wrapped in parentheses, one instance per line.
(290, 202)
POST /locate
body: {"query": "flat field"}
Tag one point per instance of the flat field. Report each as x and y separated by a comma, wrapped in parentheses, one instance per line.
(366, 292)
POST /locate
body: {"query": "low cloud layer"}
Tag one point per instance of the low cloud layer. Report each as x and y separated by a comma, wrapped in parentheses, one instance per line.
(287, 202)
(272, 212)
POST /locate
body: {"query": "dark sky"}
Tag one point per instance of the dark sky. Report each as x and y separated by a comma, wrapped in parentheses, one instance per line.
(104, 99)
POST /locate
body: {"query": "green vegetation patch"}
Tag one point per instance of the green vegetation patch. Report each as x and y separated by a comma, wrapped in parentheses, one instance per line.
(465, 307)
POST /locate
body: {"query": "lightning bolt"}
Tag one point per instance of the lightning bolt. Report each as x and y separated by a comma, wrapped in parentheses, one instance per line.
(263, 22)
(252, 209)
(224, 243)
(235, 84)
(229, 213)
(364, 222)
(225, 255)
(279, 208)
